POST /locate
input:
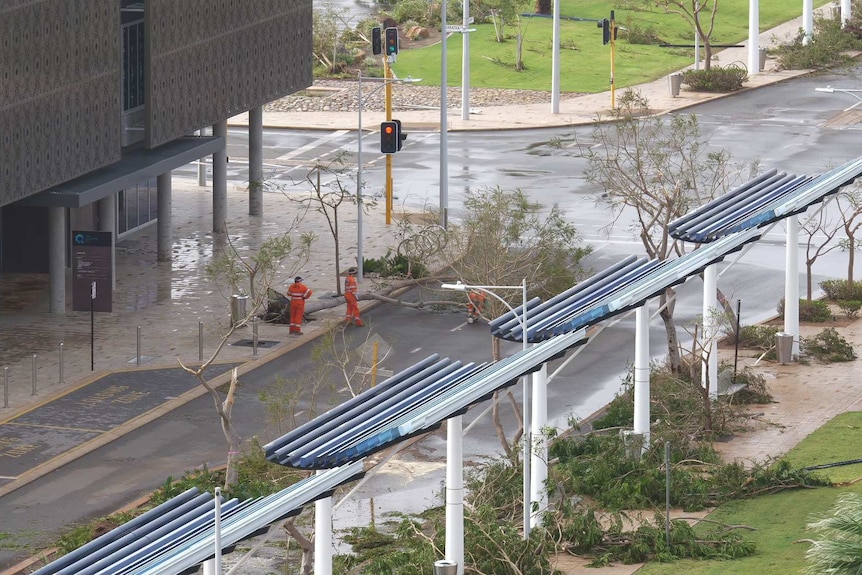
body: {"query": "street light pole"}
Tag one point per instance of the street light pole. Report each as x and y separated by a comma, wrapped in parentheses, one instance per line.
(526, 408)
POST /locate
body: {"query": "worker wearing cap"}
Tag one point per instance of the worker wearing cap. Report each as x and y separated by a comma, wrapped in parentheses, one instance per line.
(350, 289)
(298, 292)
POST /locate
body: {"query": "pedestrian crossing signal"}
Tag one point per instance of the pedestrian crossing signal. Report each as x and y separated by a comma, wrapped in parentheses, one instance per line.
(391, 41)
(389, 137)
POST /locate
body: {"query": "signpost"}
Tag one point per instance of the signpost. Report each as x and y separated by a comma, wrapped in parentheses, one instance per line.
(91, 264)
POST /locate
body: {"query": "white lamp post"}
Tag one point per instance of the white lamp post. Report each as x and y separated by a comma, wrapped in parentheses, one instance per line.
(384, 81)
(522, 319)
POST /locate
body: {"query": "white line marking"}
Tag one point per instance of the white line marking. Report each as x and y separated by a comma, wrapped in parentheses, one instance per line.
(312, 145)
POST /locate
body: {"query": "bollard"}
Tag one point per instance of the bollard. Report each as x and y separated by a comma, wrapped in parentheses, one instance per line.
(445, 567)
(254, 337)
(61, 363)
(139, 346)
(201, 341)
(5, 387)
(34, 374)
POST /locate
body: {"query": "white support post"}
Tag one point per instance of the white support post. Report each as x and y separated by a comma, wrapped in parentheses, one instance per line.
(444, 124)
(539, 456)
(323, 535)
(642, 373)
(465, 64)
(845, 12)
(791, 282)
(807, 20)
(454, 493)
(709, 345)
(555, 61)
(753, 37)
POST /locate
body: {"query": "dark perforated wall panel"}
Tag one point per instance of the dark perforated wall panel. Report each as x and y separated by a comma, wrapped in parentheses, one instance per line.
(59, 73)
(211, 59)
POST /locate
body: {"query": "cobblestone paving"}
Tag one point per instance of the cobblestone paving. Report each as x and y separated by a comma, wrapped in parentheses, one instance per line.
(343, 96)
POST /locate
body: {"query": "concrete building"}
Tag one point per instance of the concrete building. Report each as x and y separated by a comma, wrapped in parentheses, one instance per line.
(101, 99)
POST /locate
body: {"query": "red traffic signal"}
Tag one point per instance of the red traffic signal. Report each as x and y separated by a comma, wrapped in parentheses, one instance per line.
(389, 137)
(391, 41)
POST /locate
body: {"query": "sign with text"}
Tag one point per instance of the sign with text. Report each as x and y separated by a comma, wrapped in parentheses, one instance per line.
(92, 280)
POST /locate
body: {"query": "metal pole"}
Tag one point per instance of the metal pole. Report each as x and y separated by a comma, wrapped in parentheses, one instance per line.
(696, 42)
(667, 493)
(92, 327)
(359, 209)
(613, 25)
(217, 530)
(5, 387)
(375, 351)
(465, 64)
(753, 37)
(555, 62)
(388, 100)
(202, 167)
(139, 347)
(444, 120)
(807, 21)
(61, 362)
(34, 374)
(201, 341)
(736, 347)
(254, 336)
(528, 442)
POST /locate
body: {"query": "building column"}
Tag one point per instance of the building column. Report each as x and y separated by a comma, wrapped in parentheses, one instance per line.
(57, 259)
(255, 161)
(164, 240)
(107, 208)
(220, 181)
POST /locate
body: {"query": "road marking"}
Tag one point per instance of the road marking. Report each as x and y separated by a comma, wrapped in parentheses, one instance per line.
(59, 427)
(416, 350)
(458, 327)
(312, 145)
(10, 477)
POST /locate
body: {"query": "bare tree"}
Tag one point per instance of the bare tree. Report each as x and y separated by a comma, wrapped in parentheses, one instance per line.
(819, 230)
(700, 14)
(330, 188)
(850, 205)
(655, 170)
(259, 268)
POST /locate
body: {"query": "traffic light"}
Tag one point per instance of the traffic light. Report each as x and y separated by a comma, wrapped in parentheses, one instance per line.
(391, 41)
(389, 138)
(605, 25)
(401, 135)
(376, 41)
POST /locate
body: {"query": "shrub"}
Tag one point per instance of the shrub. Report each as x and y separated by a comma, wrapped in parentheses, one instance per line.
(850, 307)
(392, 265)
(836, 290)
(826, 48)
(757, 336)
(815, 311)
(828, 346)
(716, 79)
(635, 34)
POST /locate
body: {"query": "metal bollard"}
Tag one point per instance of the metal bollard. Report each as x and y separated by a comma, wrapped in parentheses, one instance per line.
(61, 362)
(201, 341)
(254, 337)
(5, 387)
(34, 374)
(139, 347)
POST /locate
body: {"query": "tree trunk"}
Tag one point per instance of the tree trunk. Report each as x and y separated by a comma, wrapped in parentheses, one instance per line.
(234, 441)
(307, 562)
(851, 260)
(666, 301)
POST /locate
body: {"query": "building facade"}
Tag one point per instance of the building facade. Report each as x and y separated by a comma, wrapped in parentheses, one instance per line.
(100, 99)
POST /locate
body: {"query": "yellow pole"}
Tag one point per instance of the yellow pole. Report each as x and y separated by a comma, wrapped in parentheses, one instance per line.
(613, 46)
(375, 348)
(386, 77)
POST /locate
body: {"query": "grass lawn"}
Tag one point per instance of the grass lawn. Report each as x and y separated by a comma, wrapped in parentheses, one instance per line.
(780, 519)
(584, 61)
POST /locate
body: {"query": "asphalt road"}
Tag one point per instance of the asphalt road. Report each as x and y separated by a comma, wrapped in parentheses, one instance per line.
(783, 124)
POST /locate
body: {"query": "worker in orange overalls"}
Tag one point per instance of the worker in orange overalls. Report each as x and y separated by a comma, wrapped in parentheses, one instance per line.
(350, 289)
(298, 292)
(475, 305)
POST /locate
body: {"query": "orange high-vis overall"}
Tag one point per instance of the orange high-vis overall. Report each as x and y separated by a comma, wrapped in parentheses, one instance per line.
(298, 293)
(350, 289)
